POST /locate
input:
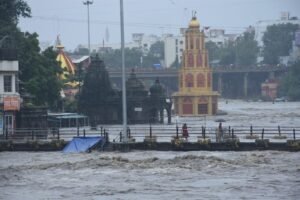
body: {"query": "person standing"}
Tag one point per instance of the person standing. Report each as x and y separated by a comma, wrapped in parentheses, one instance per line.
(185, 133)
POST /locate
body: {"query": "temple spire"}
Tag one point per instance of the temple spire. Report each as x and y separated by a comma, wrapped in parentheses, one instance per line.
(58, 44)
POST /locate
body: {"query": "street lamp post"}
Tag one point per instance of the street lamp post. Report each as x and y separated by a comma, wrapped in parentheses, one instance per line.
(88, 3)
(123, 74)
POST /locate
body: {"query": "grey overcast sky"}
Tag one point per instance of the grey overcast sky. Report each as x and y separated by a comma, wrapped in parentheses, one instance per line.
(68, 18)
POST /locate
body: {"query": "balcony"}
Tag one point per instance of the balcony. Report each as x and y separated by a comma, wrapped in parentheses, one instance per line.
(8, 95)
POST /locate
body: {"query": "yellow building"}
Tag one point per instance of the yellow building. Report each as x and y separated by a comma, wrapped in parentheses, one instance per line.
(195, 96)
(65, 61)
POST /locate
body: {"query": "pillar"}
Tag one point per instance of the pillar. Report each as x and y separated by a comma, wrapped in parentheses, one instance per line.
(245, 84)
(271, 75)
(220, 83)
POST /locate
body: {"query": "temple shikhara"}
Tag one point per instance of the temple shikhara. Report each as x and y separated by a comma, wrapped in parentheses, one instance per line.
(195, 96)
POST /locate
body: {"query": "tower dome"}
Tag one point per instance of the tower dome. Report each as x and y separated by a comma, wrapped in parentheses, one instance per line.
(194, 23)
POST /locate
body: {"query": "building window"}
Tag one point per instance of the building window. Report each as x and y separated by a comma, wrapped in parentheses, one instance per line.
(202, 109)
(181, 42)
(200, 80)
(191, 60)
(189, 80)
(7, 83)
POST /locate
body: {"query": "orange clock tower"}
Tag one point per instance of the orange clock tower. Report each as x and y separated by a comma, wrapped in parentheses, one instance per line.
(195, 96)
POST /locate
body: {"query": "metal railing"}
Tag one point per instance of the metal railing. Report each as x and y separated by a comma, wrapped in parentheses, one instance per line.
(162, 133)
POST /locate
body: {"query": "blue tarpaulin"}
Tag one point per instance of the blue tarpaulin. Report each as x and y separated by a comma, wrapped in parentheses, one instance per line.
(82, 144)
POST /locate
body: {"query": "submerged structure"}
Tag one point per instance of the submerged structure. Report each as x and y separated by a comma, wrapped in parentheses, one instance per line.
(195, 96)
(103, 104)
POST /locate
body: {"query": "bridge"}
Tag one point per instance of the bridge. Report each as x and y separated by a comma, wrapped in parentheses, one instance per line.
(229, 81)
(169, 72)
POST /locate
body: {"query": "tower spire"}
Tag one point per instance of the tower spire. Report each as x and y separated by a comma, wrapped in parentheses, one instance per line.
(58, 44)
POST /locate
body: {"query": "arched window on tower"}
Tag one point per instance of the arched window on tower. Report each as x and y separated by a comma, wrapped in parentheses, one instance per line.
(189, 80)
(191, 60)
(197, 43)
(200, 80)
(199, 59)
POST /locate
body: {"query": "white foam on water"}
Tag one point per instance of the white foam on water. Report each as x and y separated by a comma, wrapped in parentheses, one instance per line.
(163, 175)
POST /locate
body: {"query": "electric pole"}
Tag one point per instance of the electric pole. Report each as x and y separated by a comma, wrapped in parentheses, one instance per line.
(88, 3)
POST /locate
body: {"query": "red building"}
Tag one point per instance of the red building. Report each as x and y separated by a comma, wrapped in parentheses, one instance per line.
(269, 89)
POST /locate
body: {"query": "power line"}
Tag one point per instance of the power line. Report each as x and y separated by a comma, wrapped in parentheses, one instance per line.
(134, 24)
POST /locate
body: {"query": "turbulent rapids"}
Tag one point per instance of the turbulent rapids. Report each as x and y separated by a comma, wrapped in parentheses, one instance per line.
(150, 175)
(163, 175)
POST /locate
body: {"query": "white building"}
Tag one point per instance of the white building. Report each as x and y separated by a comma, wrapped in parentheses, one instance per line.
(216, 35)
(9, 96)
(139, 40)
(144, 42)
(174, 46)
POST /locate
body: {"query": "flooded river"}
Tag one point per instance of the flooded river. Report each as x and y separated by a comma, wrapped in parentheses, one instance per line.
(150, 175)
(163, 175)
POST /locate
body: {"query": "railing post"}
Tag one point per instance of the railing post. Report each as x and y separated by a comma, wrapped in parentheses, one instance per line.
(58, 134)
(204, 132)
(251, 130)
(101, 132)
(262, 133)
(32, 135)
(229, 130)
(150, 131)
(107, 137)
(232, 133)
(294, 134)
(120, 136)
(177, 136)
(279, 131)
(6, 133)
(84, 132)
(77, 131)
(128, 132)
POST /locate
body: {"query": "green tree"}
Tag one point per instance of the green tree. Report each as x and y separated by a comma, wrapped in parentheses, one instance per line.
(37, 71)
(133, 56)
(176, 63)
(44, 84)
(157, 49)
(278, 41)
(11, 10)
(291, 83)
(228, 53)
(214, 51)
(246, 49)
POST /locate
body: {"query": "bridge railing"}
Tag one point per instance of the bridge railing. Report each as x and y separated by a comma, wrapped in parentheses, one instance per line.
(162, 133)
